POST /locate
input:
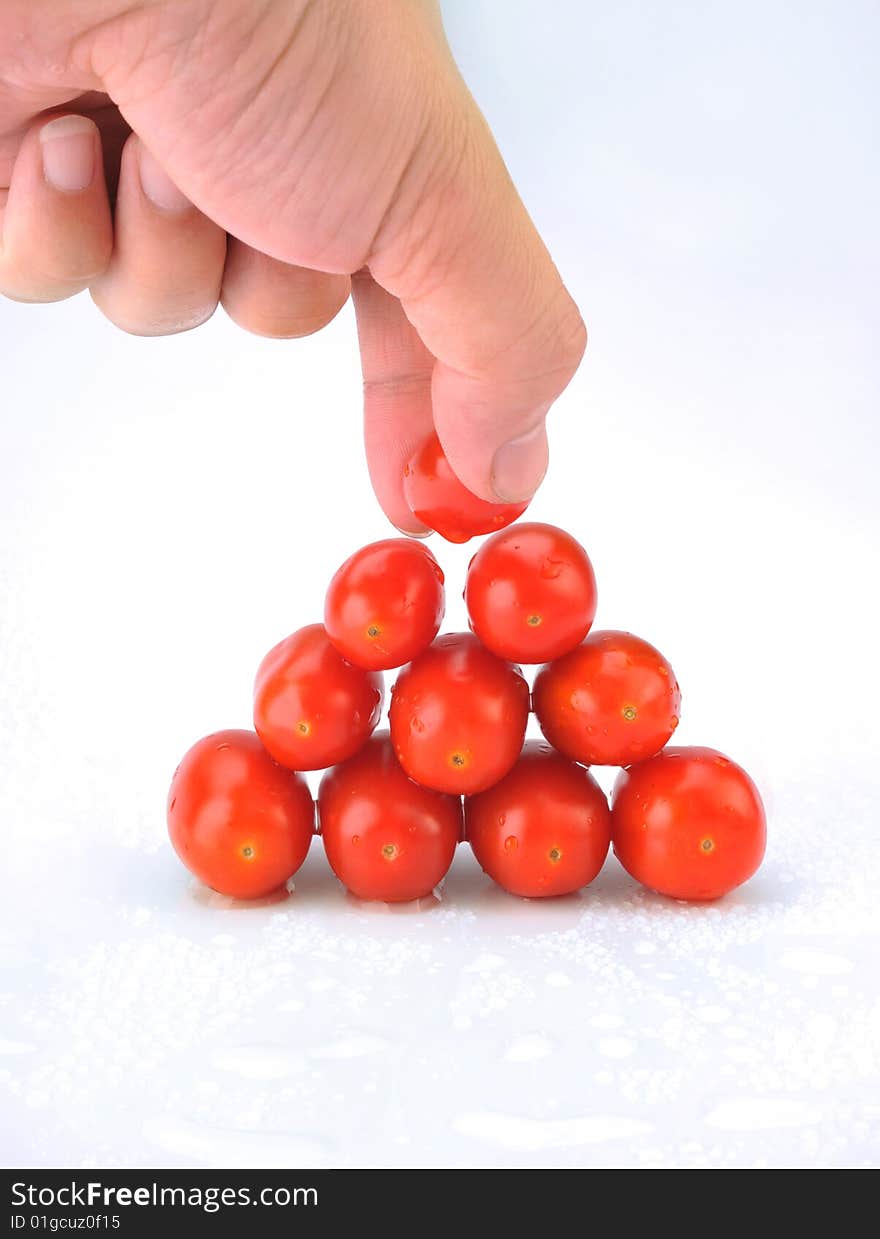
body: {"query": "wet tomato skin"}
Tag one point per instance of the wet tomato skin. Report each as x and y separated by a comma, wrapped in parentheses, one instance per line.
(458, 716)
(544, 829)
(386, 837)
(688, 823)
(239, 821)
(531, 593)
(312, 708)
(612, 700)
(385, 604)
(444, 504)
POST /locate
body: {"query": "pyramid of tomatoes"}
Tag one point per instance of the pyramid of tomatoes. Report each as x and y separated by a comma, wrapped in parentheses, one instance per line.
(454, 764)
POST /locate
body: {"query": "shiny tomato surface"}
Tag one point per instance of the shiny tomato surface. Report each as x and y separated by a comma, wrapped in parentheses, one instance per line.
(312, 708)
(239, 821)
(385, 604)
(531, 593)
(612, 701)
(544, 829)
(385, 836)
(458, 716)
(443, 503)
(688, 823)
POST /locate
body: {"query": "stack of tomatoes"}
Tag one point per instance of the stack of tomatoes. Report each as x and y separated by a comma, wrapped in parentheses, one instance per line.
(454, 764)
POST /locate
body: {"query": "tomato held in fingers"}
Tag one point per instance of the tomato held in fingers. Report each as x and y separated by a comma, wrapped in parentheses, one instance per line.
(444, 504)
(386, 837)
(531, 593)
(385, 604)
(688, 823)
(239, 821)
(311, 707)
(544, 829)
(612, 701)
(458, 716)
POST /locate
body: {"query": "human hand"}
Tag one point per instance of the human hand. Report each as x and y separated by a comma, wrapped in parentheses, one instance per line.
(336, 144)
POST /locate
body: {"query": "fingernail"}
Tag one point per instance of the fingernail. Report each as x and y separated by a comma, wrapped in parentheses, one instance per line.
(519, 466)
(158, 185)
(68, 147)
(421, 532)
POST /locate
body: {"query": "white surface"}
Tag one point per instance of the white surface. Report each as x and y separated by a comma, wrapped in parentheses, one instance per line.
(170, 508)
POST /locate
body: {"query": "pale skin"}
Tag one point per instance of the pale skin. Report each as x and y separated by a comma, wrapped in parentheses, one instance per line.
(277, 156)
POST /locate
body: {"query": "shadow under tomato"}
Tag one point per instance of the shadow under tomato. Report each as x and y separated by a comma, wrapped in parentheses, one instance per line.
(375, 907)
(213, 899)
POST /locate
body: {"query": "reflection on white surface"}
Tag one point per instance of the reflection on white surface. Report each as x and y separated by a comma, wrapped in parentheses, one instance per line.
(171, 508)
(487, 1031)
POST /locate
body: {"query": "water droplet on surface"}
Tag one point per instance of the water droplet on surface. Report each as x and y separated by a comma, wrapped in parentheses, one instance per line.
(550, 569)
(355, 839)
(511, 843)
(529, 1048)
(673, 722)
(221, 748)
(521, 1134)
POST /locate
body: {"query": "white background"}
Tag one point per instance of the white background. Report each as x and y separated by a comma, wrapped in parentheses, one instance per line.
(704, 175)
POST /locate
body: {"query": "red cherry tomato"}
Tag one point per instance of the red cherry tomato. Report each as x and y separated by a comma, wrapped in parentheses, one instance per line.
(531, 593)
(544, 829)
(237, 820)
(311, 707)
(458, 716)
(385, 604)
(385, 836)
(445, 504)
(688, 823)
(612, 701)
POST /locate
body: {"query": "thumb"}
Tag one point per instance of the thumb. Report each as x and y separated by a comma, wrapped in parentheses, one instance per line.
(477, 283)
